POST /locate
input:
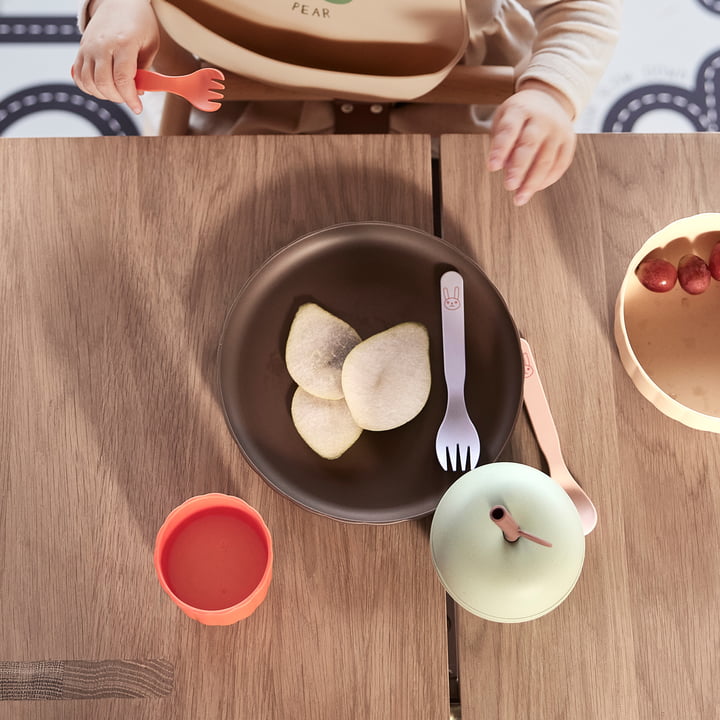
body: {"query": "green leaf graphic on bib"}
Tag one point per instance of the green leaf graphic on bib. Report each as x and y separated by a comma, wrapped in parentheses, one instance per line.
(338, 2)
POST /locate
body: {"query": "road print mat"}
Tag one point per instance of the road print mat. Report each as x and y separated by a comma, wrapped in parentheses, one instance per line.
(37, 96)
(663, 76)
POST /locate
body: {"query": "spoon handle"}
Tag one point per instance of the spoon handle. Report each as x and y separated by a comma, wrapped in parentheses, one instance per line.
(547, 437)
(539, 410)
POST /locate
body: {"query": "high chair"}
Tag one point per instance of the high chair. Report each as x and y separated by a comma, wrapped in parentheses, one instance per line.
(465, 85)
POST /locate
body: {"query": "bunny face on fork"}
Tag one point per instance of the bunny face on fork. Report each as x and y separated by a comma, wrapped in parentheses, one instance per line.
(451, 303)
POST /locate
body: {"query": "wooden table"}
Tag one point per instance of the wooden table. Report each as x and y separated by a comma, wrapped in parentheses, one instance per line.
(119, 259)
(639, 637)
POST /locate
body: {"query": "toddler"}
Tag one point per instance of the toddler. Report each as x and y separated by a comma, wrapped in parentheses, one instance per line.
(559, 49)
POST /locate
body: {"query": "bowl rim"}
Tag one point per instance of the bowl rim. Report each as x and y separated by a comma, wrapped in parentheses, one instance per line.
(692, 225)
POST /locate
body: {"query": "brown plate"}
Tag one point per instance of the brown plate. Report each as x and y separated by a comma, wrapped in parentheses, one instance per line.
(373, 276)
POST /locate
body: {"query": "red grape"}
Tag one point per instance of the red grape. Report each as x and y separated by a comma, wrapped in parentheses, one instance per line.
(657, 275)
(693, 274)
(715, 261)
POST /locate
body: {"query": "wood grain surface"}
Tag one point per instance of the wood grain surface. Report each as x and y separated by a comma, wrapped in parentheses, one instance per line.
(639, 637)
(119, 259)
(85, 679)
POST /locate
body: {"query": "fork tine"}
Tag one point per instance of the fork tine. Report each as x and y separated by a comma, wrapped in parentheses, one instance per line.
(441, 455)
(463, 453)
(469, 465)
(211, 95)
(453, 457)
(207, 106)
(216, 85)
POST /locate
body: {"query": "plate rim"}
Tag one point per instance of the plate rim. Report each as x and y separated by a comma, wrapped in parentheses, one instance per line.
(287, 248)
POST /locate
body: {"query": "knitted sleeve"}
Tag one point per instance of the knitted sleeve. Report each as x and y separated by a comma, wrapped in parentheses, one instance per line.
(574, 43)
(83, 14)
(83, 18)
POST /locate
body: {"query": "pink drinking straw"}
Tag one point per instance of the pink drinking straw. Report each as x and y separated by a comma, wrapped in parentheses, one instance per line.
(500, 515)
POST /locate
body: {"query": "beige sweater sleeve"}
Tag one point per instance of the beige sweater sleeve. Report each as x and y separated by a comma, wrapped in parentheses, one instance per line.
(83, 14)
(574, 43)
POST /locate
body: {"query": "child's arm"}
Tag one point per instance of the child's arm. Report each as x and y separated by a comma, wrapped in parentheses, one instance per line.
(120, 36)
(533, 139)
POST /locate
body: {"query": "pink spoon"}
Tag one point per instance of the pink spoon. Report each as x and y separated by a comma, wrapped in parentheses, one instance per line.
(547, 437)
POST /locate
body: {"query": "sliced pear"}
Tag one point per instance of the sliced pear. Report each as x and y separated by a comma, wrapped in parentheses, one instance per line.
(386, 378)
(325, 425)
(317, 345)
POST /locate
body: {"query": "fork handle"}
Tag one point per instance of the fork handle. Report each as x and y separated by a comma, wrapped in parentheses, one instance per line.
(452, 312)
(539, 409)
(150, 81)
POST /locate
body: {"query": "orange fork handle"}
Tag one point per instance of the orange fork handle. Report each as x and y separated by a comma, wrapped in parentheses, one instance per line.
(148, 81)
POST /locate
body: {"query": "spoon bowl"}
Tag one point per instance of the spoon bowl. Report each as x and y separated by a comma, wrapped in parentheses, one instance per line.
(562, 476)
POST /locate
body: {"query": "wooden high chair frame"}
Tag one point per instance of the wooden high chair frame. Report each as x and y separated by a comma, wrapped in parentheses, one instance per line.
(465, 85)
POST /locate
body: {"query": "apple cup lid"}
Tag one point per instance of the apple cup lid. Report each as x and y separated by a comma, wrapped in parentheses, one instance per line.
(485, 573)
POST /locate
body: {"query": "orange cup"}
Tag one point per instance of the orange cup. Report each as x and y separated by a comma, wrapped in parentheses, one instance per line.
(213, 557)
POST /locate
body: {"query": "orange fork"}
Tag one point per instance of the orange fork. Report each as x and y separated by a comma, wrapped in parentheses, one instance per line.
(198, 88)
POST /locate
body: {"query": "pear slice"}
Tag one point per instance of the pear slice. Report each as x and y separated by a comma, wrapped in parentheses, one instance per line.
(317, 345)
(386, 378)
(325, 425)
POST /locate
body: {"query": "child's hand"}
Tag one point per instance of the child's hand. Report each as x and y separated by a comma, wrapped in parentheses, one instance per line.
(121, 36)
(532, 139)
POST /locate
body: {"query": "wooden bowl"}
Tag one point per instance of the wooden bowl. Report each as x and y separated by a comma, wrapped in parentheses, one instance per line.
(669, 343)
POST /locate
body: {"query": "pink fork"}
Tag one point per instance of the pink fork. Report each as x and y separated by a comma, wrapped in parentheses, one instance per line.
(198, 88)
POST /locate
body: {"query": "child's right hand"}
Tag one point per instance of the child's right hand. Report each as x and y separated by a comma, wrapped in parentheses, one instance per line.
(121, 36)
(532, 139)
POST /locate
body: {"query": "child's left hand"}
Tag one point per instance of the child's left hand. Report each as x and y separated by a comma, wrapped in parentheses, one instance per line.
(532, 139)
